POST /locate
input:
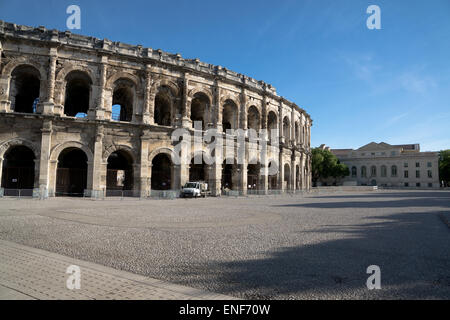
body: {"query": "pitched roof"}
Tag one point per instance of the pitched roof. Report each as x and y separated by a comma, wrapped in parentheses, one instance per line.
(375, 146)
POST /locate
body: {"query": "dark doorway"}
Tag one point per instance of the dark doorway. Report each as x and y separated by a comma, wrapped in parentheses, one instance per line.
(119, 175)
(18, 171)
(161, 172)
(227, 176)
(78, 90)
(253, 176)
(197, 171)
(25, 89)
(71, 176)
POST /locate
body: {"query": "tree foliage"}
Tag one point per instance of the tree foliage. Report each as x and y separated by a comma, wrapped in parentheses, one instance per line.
(325, 165)
(444, 166)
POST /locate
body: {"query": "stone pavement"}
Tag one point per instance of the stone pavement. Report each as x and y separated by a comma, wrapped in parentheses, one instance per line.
(29, 273)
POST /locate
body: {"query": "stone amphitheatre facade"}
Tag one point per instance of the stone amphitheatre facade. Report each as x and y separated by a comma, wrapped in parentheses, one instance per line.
(80, 115)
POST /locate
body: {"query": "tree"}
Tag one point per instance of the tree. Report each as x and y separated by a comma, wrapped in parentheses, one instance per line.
(444, 167)
(325, 164)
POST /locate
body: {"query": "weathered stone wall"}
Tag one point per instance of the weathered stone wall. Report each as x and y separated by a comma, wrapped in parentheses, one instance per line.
(156, 91)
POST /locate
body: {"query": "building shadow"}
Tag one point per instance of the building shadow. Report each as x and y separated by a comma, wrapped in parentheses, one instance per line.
(412, 250)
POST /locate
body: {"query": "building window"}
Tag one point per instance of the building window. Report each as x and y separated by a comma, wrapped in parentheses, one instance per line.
(363, 172)
(373, 153)
(406, 184)
(430, 174)
(417, 173)
(418, 184)
(430, 185)
(405, 174)
(405, 165)
(383, 153)
(392, 153)
(353, 171)
(417, 164)
(373, 171)
(394, 171)
(363, 154)
(383, 171)
(429, 164)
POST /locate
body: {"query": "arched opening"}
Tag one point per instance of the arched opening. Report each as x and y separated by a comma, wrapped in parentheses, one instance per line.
(286, 129)
(199, 109)
(253, 177)
(163, 107)
(25, 86)
(161, 172)
(271, 123)
(198, 170)
(227, 175)
(363, 172)
(298, 181)
(297, 133)
(71, 175)
(229, 115)
(18, 171)
(119, 174)
(287, 177)
(373, 171)
(383, 171)
(353, 172)
(123, 97)
(78, 91)
(253, 119)
(273, 175)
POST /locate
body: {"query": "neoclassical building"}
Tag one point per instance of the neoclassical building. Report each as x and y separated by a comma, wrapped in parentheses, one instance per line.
(383, 164)
(80, 115)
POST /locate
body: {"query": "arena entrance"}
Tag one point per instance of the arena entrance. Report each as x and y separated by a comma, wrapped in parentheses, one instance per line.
(71, 175)
(18, 171)
(119, 176)
(198, 171)
(253, 176)
(227, 176)
(161, 172)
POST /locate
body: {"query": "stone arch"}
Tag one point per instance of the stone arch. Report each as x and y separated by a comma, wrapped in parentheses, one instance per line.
(205, 91)
(117, 147)
(62, 74)
(174, 88)
(168, 151)
(19, 142)
(55, 152)
(123, 75)
(10, 66)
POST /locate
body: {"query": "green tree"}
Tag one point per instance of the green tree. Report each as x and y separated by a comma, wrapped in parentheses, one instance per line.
(325, 164)
(444, 167)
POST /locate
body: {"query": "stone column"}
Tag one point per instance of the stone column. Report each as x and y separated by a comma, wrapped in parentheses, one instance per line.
(217, 113)
(47, 107)
(293, 137)
(144, 186)
(280, 170)
(176, 177)
(5, 104)
(243, 107)
(96, 172)
(44, 160)
(147, 112)
(186, 108)
(280, 122)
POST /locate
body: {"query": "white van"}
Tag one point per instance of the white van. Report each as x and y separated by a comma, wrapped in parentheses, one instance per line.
(194, 190)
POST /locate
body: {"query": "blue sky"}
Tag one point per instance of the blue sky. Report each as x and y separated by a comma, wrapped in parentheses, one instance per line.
(358, 85)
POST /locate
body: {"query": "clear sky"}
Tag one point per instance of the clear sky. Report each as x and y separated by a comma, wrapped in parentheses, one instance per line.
(358, 85)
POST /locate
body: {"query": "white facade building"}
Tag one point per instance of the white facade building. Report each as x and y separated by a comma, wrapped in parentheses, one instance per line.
(382, 164)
